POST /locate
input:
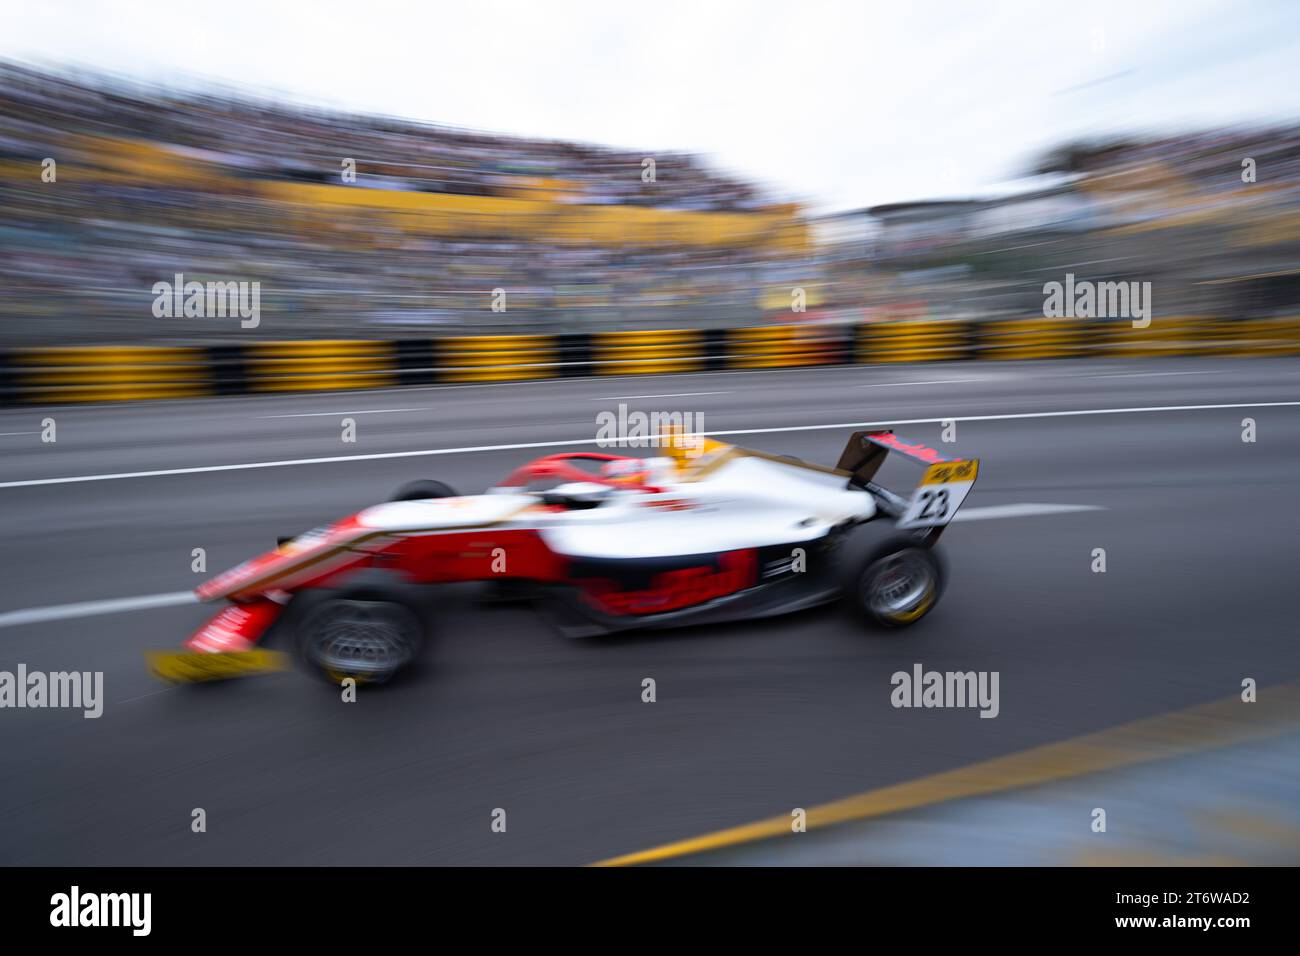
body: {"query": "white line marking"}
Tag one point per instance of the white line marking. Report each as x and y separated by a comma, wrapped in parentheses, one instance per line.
(61, 612)
(7, 434)
(1019, 511)
(202, 469)
(145, 602)
(615, 398)
(941, 381)
(519, 446)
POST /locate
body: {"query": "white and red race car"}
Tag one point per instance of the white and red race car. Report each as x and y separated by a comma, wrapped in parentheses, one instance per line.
(708, 532)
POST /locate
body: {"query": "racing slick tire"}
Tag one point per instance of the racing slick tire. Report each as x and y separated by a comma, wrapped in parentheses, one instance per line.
(424, 488)
(890, 577)
(366, 632)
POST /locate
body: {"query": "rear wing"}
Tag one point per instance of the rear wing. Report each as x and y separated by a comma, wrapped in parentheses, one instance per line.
(943, 487)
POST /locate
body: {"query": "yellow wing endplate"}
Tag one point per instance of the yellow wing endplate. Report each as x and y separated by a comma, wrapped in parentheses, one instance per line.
(190, 667)
(951, 471)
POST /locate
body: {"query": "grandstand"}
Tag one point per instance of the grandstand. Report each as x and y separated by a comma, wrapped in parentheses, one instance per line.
(436, 223)
(433, 221)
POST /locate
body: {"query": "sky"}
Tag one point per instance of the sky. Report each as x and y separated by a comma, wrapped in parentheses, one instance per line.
(837, 104)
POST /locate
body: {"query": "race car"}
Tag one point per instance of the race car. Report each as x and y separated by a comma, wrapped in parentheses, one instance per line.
(703, 533)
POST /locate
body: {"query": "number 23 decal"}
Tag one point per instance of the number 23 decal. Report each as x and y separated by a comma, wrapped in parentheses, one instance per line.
(934, 504)
(941, 493)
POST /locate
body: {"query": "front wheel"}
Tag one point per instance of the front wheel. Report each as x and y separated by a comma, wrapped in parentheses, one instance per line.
(890, 578)
(360, 635)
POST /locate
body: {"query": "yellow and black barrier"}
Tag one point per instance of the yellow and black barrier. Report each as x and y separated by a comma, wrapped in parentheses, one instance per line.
(1264, 337)
(324, 365)
(785, 346)
(118, 373)
(648, 353)
(1187, 335)
(914, 341)
(497, 358)
(109, 373)
(1035, 339)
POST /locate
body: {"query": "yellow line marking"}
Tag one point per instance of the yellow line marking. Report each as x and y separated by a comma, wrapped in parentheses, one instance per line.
(1220, 723)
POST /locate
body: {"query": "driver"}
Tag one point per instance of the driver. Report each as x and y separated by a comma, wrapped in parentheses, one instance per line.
(637, 472)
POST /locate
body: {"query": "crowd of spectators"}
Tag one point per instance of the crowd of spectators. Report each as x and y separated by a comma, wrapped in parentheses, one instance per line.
(1204, 215)
(1210, 218)
(79, 255)
(265, 139)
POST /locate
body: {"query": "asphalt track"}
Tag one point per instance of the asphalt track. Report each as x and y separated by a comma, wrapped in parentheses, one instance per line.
(1200, 531)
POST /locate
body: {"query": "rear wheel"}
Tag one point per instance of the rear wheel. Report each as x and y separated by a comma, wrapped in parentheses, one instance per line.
(363, 634)
(889, 577)
(423, 489)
